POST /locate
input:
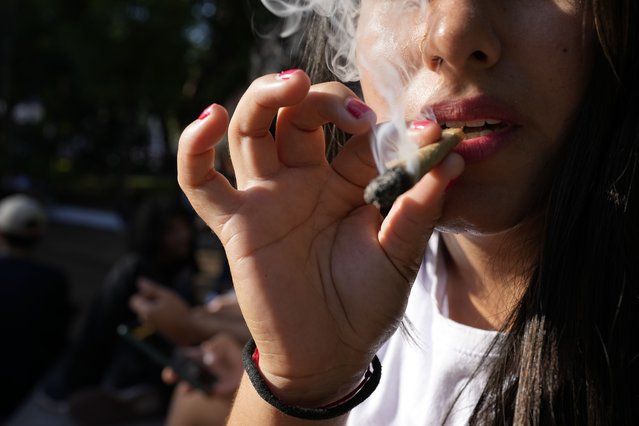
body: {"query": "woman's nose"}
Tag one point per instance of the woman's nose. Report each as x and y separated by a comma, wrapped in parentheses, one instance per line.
(459, 37)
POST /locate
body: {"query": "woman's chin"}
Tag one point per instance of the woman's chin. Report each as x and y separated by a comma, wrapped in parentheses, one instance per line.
(479, 222)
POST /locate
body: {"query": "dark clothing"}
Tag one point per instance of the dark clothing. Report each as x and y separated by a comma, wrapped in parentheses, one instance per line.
(99, 357)
(34, 321)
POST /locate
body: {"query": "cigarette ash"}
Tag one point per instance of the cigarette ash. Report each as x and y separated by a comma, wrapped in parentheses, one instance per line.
(384, 189)
(400, 176)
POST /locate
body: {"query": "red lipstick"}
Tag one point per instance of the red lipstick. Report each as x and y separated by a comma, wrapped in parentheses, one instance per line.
(489, 124)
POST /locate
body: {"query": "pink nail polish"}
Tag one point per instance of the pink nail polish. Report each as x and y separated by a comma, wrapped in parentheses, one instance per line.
(357, 108)
(451, 184)
(206, 112)
(421, 124)
(285, 75)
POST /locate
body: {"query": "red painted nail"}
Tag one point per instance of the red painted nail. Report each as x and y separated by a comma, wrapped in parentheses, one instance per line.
(285, 75)
(206, 112)
(357, 108)
(451, 184)
(421, 124)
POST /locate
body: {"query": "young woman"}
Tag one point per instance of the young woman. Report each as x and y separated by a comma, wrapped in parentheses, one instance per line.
(519, 251)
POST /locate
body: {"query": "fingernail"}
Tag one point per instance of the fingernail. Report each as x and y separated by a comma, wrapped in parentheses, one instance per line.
(421, 124)
(206, 112)
(285, 75)
(451, 184)
(357, 108)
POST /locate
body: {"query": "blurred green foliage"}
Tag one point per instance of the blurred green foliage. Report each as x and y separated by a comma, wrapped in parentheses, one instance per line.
(115, 81)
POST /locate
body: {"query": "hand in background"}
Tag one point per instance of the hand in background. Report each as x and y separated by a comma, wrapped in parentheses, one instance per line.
(222, 356)
(225, 304)
(164, 310)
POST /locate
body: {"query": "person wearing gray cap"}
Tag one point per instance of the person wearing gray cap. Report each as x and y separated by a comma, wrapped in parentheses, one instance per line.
(22, 224)
(34, 302)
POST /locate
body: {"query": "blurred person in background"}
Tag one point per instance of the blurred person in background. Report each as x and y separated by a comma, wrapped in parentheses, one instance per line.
(103, 378)
(185, 325)
(216, 331)
(222, 356)
(35, 310)
(220, 331)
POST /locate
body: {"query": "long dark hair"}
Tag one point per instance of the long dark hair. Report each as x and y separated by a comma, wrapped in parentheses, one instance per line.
(311, 55)
(152, 219)
(571, 350)
(571, 355)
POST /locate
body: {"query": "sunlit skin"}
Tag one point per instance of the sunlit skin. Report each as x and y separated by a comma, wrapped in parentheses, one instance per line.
(523, 63)
(538, 81)
(321, 279)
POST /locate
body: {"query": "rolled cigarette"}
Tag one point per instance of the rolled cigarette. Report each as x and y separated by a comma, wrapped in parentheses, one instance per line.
(400, 176)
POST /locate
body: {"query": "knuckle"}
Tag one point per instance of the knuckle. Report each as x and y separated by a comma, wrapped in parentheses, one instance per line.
(334, 87)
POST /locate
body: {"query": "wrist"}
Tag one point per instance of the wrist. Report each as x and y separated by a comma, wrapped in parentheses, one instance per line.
(322, 396)
(314, 391)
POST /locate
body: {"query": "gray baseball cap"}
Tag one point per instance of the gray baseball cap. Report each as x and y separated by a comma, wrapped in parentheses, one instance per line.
(22, 216)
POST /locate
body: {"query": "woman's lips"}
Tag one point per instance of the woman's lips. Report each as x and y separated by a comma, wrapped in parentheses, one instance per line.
(487, 122)
(479, 148)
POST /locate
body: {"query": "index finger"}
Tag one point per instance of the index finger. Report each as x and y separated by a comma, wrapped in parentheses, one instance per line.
(251, 144)
(210, 193)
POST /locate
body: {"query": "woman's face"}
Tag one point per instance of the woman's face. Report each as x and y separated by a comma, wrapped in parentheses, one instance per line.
(515, 70)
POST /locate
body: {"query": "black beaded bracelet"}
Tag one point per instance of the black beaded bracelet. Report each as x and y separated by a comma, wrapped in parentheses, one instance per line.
(370, 382)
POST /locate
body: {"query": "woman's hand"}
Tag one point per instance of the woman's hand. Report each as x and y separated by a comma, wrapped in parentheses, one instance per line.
(321, 280)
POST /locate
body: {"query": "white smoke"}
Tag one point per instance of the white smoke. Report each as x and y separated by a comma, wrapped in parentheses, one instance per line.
(390, 75)
(343, 16)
